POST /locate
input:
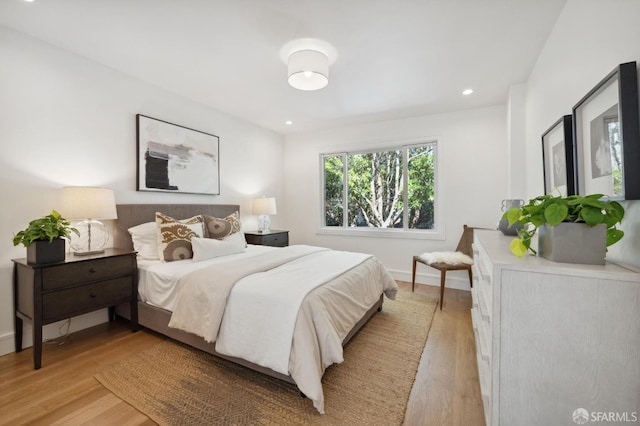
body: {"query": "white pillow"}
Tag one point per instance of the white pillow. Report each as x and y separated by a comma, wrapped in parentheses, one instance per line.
(207, 248)
(145, 240)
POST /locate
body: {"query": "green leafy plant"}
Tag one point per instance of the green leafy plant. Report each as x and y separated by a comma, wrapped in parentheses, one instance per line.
(591, 209)
(48, 227)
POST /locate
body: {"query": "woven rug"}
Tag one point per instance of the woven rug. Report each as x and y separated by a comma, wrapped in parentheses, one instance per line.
(177, 385)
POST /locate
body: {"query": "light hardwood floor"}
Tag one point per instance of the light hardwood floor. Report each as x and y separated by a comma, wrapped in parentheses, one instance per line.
(64, 392)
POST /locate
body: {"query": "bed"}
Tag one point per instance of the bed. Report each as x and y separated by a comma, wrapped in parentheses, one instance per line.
(329, 315)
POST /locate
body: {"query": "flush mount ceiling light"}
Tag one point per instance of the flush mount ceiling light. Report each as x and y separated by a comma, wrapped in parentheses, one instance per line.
(308, 70)
(308, 61)
(467, 92)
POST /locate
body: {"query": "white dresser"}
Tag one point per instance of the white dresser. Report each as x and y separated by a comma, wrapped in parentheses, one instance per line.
(553, 337)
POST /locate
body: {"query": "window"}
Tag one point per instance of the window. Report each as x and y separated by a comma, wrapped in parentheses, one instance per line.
(391, 188)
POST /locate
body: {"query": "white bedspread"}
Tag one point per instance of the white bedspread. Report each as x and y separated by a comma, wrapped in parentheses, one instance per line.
(327, 315)
(202, 294)
(261, 312)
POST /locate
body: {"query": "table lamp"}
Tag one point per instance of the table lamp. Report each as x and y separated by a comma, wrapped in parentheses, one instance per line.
(88, 205)
(263, 207)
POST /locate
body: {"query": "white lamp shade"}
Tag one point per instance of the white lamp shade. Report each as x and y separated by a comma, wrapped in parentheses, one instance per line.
(264, 205)
(308, 70)
(88, 203)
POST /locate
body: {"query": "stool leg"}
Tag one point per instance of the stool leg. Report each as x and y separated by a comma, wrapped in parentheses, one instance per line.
(443, 275)
(413, 278)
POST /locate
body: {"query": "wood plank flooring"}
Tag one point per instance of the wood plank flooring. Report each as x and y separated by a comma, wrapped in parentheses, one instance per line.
(64, 392)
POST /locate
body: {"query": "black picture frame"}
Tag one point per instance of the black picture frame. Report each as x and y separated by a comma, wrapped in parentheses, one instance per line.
(606, 137)
(557, 157)
(174, 158)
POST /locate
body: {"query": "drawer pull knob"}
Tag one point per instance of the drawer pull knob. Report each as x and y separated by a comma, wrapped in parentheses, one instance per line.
(92, 270)
(92, 295)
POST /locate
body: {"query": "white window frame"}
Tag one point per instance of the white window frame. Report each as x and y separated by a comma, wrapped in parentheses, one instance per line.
(437, 233)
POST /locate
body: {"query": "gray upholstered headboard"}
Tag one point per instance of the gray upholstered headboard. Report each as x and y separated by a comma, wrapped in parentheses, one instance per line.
(134, 214)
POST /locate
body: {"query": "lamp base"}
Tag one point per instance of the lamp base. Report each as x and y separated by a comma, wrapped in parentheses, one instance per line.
(264, 223)
(92, 239)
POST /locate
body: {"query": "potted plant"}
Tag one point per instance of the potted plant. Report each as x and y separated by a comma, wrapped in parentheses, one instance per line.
(591, 219)
(43, 238)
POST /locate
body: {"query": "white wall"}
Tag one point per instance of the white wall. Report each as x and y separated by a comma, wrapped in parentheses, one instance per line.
(472, 144)
(67, 121)
(590, 38)
(516, 142)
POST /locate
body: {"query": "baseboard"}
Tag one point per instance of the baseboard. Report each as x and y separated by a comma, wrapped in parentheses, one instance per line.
(458, 280)
(6, 344)
(51, 331)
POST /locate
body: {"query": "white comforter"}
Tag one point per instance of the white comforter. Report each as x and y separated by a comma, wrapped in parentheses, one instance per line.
(310, 300)
(202, 294)
(261, 312)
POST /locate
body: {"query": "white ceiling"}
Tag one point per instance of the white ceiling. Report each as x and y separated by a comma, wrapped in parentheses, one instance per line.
(395, 58)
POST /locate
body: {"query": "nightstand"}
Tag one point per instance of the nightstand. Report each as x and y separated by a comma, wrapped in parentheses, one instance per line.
(51, 292)
(274, 238)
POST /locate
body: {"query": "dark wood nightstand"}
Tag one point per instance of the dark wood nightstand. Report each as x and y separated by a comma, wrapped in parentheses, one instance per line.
(52, 292)
(274, 238)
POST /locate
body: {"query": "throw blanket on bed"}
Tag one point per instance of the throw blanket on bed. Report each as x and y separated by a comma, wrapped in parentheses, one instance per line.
(202, 294)
(261, 313)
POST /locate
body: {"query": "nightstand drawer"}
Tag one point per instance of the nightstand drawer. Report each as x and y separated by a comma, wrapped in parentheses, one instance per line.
(276, 240)
(81, 272)
(87, 298)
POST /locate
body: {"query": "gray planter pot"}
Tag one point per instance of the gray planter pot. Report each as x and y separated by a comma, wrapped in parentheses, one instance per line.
(573, 243)
(43, 251)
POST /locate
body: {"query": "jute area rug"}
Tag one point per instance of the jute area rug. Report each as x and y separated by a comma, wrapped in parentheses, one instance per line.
(177, 385)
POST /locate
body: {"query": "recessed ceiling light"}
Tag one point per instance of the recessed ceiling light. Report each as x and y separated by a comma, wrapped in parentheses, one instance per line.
(29, 1)
(288, 122)
(467, 91)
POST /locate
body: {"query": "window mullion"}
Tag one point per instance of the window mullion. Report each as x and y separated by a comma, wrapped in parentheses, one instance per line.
(345, 192)
(405, 188)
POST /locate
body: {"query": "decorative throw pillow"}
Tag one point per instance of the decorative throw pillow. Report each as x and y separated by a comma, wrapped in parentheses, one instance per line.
(218, 228)
(174, 236)
(145, 240)
(207, 248)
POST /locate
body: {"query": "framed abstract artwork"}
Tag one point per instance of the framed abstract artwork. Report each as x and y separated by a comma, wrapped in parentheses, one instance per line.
(607, 137)
(557, 158)
(173, 158)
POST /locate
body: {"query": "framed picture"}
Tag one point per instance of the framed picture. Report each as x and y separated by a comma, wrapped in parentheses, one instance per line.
(557, 157)
(174, 158)
(607, 137)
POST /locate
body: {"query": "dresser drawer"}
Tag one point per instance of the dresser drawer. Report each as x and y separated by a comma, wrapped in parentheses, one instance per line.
(73, 273)
(87, 298)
